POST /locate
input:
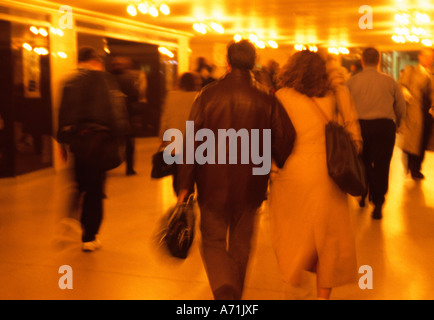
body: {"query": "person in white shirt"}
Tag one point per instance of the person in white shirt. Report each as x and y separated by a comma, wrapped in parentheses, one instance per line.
(381, 106)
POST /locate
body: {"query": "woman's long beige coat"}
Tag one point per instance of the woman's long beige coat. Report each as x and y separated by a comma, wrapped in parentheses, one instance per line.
(309, 215)
(416, 85)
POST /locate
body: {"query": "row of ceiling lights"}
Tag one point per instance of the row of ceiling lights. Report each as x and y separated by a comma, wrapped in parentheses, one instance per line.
(42, 51)
(253, 38)
(148, 7)
(43, 32)
(412, 27)
(314, 48)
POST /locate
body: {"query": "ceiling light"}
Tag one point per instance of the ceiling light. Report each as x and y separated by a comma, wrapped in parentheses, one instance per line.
(217, 27)
(426, 42)
(41, 51)
(132, 10)
(422, 18)
(27, 46)
(260, 44)
(164, 9)
(253, 38)
(333, 51)
(200, 27)
(238, 38)
(153, 11)
(273, 44)
(143, 8)
(34, 30)
(43, 32)
(166, 52)
(63, 55)
(344, 50)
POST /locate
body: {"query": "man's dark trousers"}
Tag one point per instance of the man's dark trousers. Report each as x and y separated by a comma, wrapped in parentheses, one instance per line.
(90, 182)
(378, 143)
(226, 245)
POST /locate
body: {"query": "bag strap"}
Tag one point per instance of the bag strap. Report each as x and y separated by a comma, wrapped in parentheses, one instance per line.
(335, 113)
(320, 110)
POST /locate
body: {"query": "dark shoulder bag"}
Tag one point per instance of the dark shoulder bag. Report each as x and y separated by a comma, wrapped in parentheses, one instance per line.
(344, 164)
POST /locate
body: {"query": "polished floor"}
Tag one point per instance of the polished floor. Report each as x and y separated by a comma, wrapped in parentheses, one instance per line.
(35, 242)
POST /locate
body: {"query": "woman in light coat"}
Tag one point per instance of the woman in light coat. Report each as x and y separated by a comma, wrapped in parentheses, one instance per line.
(309, 215)
(415, 130)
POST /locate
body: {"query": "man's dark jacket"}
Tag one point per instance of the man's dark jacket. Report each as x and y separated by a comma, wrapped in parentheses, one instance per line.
(236, 102)
(92, 99)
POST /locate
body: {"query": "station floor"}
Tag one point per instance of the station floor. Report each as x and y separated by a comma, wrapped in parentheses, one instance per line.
(35, 242)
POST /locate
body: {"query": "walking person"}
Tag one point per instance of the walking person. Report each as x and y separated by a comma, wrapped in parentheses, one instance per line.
(122, 69)
(177, 108)
(309, 214)
(91, 103)
(229, 195)
(416, 82)
(381, 106)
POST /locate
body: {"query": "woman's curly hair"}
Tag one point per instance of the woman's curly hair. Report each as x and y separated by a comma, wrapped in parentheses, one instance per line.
(305, 72)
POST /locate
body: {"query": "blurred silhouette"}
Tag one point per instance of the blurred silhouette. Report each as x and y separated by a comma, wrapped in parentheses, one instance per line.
(338, 74)
(416, 82)
(205, 70)
(309, 214)
(356, 68)
(229, 195)
(380, 106)
(128, 83)
(92, 106)
(177, 107)
(267, 76)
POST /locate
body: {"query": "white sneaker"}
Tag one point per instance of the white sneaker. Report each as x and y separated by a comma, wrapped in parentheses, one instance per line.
(91, 245)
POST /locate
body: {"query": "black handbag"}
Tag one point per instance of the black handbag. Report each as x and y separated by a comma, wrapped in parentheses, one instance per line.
(345, 165)
(160, 168)
(179, 229)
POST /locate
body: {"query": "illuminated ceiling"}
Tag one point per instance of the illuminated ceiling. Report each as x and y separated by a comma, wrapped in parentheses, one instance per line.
(327, 23)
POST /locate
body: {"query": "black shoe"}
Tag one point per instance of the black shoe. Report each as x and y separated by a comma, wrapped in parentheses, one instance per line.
(417, 175)
(131, 173)
(377, 213)
(362, 202)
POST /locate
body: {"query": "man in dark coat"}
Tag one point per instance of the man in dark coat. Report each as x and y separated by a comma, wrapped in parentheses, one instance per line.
(91, 104)
(231, 187)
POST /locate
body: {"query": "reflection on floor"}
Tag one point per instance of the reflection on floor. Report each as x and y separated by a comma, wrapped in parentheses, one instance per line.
(34, 244)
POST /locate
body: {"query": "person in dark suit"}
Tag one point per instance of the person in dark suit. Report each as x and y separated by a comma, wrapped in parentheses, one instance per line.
(91, 104)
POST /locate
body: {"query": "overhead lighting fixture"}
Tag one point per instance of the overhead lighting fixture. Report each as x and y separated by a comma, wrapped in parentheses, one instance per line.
(149, 7)
(273, 44)
(131, 9)
(27, 46)
(217, 27)
(259, 43)
(62, 54)
(164, 8)
(203, 27)
(410, 27)
(153, 11)
(34, 30)
(143, 8)
(238, 38)
(41, 51)
(200, 28)
(43, 32)
(165, 51)
(427, 42)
